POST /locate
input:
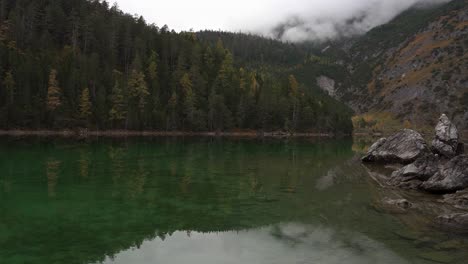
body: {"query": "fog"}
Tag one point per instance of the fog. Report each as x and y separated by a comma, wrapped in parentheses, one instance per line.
(289, 20)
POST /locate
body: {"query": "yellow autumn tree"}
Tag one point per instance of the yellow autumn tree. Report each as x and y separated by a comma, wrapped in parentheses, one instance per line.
(138, 89)
(53, 92)
(189, 98)
(253, 85)
(242, 79)
(85, 104)
(293, 85)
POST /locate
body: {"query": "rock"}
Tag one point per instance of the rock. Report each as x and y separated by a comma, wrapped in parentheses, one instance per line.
(460, 149)
(458, 199)
(400, 203)
(394, 206)
(455, 222)
(412, 175)
(410, 235)
(451, 177)
(445, 142)
(451, 245)
(437, 257)
(403, 147)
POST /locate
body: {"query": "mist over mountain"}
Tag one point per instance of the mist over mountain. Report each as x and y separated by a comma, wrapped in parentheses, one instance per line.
(330, 20)
(291, 20)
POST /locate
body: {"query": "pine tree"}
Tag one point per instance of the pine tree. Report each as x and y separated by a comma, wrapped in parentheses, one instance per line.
(293, 94)
(85, 104)
(242, 80)
(167, 78)
(10, 86)
(186, 83)
(225, 73)
(53, 92)
(242, 106)
(172, 108)
(189, 98)
(138, 89)
(118, 111)
(152, 69)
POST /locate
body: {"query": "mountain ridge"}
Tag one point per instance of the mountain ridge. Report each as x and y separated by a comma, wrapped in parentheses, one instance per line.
(420, 75)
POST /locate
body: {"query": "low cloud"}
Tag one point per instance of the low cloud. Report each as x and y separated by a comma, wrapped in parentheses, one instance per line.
(289, 20)
(325, 20)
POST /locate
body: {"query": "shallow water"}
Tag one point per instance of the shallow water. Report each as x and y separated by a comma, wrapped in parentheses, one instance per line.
(202, 200)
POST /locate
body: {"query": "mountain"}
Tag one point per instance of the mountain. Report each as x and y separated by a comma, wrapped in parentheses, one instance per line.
(403, 73)
(85, 64)
(410, 70)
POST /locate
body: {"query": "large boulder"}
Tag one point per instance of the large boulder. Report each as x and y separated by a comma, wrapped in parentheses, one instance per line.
(451, 177)
(412, 175)
(446, 142)
(403, 147)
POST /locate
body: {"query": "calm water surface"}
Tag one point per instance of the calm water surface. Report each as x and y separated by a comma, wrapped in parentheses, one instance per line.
(201, 201)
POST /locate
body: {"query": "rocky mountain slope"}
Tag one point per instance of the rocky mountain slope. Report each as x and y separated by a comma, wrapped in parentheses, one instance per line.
(411, 70)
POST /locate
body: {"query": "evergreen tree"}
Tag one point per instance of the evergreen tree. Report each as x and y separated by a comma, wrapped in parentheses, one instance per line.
(153, 66)
(10, 86)
(242, 80)
(189, 99)
(118, 111)
(138, 90)
(162, 79)
(293, 95)
(172, 108)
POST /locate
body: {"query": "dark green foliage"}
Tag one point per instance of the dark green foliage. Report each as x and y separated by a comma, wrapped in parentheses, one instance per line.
(140, 76)
(252, 50)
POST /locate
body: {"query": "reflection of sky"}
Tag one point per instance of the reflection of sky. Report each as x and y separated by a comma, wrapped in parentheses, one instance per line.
(285, 243)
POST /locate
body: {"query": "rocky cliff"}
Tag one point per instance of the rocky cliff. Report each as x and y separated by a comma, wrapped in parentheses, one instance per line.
(412, 69)
(427, 74)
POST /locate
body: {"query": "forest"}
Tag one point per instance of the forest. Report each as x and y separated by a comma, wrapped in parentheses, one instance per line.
(68, 64)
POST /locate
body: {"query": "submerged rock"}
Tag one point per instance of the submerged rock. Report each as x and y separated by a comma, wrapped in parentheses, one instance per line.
(458, 222)
(458, 199)
(451, 177)
(398, 203)
(403, 147)
(446, 138)
(437, 257)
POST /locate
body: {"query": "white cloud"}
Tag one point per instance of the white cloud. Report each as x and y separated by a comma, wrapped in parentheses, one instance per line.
(304, 19)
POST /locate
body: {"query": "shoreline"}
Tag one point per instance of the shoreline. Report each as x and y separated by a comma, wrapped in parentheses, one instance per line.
(462, 133)
(83, 133)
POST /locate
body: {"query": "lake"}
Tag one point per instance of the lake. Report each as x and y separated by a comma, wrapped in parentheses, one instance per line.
(203, 200)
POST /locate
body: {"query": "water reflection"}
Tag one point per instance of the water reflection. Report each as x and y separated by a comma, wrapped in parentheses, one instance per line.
(52, 171)
(282, 243)
(84, 203)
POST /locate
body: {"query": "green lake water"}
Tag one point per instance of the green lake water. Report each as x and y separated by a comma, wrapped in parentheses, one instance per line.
(202, 201)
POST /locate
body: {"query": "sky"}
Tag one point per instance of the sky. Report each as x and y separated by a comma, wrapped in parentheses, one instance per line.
(289, 20)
